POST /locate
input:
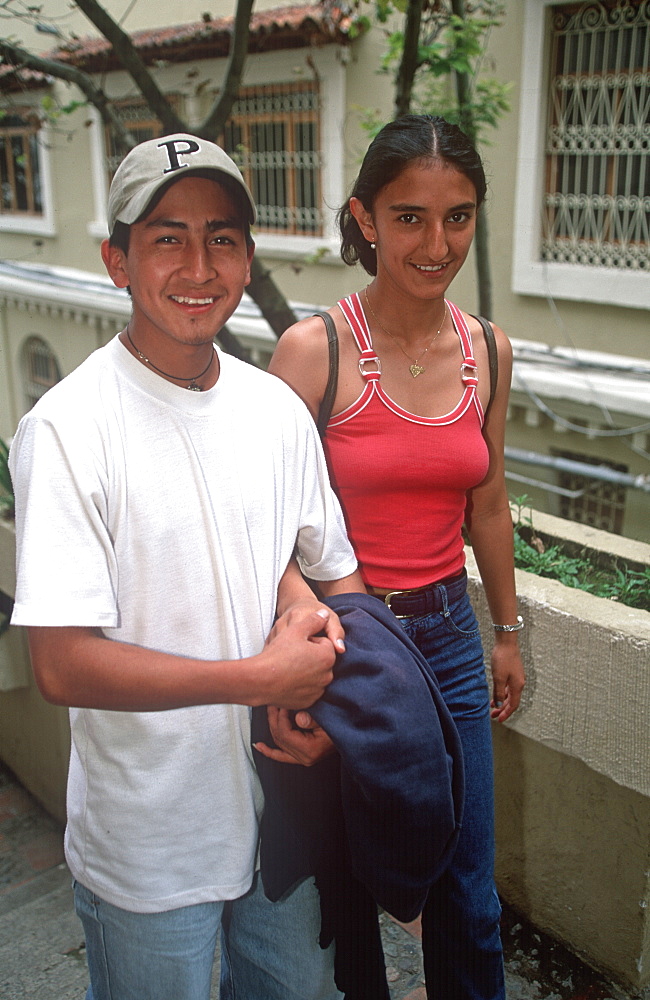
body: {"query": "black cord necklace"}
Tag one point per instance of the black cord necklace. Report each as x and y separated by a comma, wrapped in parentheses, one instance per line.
(192, 381)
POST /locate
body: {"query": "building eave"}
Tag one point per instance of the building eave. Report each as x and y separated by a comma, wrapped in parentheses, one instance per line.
(583, 378)
(290, 27)
(17, 79)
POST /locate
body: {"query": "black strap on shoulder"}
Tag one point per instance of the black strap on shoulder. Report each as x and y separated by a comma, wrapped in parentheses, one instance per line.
(325, 409)
(493, 357)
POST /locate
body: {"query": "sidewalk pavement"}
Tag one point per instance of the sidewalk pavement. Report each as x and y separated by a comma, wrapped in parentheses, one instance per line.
(42, 950)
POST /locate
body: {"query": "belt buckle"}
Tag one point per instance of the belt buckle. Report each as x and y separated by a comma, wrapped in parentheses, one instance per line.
(395, 593)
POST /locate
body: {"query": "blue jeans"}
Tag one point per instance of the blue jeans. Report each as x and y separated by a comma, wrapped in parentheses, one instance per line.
(270, 951)
(460, 923)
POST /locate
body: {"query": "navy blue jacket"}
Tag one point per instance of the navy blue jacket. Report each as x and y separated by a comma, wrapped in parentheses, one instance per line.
(383, 815)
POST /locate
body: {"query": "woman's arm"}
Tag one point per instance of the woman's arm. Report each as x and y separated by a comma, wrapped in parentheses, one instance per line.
(301, 359)
(489, 525)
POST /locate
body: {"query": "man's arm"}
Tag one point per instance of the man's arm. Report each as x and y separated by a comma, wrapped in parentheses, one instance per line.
(79, 667)
(295, 598)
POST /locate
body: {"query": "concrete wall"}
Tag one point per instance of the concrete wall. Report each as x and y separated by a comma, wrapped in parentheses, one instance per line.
(34, 736)
(573, 767)
(573, 854)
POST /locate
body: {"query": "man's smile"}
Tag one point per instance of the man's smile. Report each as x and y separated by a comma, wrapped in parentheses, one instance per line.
(186, 300)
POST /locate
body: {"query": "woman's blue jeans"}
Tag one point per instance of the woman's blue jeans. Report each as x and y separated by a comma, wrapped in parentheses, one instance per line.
(461, 939)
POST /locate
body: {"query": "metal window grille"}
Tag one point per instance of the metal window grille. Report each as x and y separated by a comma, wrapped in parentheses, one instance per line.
(273, 135)
(40, 370)
(20, 179)
(595, 502)
(141, 122)
(597, 193)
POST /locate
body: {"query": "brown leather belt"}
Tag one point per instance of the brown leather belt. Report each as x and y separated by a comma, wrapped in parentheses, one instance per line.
(425, 600)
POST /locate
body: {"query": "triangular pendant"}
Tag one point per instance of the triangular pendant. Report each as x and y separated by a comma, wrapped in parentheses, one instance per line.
(416, 369)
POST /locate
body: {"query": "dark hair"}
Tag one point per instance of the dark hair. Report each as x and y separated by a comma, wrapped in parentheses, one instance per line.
(409, 138)
(121, 235)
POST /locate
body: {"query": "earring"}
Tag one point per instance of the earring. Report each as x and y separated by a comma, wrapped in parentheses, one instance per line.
(373, 246)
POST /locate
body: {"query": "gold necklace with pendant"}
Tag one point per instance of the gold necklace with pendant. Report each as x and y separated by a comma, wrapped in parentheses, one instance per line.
(415, 367)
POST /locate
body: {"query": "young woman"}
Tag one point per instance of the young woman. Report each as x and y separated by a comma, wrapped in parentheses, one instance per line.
(414, 453)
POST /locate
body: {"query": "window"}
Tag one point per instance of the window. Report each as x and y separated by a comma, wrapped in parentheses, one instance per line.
(141, 122)
(285, 133)
(597, 198)
(598, 503)
(40, 370)
(583, 181)
(20, 174)
(273, 135)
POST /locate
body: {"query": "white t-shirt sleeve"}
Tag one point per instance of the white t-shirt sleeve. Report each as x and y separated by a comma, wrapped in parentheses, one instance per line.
(66, 572)
(323, 551)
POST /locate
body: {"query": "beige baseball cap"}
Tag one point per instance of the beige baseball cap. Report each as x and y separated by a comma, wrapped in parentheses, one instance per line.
(157, 161)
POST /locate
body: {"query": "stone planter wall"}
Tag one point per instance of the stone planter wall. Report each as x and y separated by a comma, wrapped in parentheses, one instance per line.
(573, 767)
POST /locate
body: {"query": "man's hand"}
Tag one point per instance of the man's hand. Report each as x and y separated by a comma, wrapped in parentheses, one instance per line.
(306, 606)
(297, 662)
(299, 741)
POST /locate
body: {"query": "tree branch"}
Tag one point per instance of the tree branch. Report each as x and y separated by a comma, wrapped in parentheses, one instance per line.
(263, 290)
(132, 63)
(232, 346)
(463, 85)
(409, 61)
(18, 57)
(481, 242)
(214, 124)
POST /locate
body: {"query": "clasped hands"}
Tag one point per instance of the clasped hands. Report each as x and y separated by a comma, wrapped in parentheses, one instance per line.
(298, 739)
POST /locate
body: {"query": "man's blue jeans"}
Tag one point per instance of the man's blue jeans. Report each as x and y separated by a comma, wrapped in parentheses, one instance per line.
(460, 924)
(270, 951)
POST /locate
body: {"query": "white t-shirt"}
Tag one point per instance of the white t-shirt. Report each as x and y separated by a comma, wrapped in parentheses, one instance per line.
(166, 517)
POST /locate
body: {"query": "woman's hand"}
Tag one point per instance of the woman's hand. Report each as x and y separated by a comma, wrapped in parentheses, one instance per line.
(299, 741)
(508, 679)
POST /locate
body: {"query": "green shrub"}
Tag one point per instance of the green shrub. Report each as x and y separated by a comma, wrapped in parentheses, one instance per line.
(618, 582)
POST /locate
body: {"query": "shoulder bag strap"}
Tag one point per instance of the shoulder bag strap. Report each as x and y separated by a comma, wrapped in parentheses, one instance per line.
(325, 409)
(493, 357)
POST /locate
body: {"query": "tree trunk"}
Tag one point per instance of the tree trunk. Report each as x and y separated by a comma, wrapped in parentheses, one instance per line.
(481, 248)
(410, 59)
(214, 124)
(264, 291)
(127, 54)
(231, 345)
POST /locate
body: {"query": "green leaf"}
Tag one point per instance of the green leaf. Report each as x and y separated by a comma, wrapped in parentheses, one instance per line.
(67, 109)
(361, 23)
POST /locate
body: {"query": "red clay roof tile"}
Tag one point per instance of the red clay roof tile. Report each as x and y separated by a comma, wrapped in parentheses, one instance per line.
(282, 27)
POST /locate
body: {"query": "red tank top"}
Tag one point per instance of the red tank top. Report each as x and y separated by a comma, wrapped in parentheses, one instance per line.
(401, 478)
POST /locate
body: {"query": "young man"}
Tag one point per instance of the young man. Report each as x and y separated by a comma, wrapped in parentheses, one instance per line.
(156, 528)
